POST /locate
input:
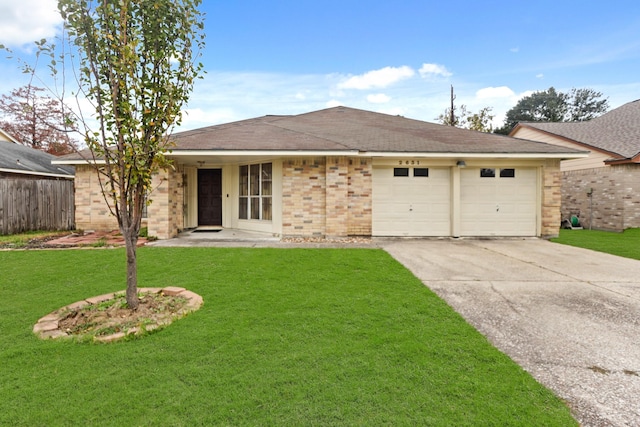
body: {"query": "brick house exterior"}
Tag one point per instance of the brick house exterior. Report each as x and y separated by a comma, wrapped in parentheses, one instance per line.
(327, 197)
(318, 174)
(602, 189)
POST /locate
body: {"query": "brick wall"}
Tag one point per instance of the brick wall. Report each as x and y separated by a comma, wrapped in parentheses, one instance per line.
(614, 203)
(326, 197)
(92, 212)
(303, 197)
(165, 211)
(551, 198)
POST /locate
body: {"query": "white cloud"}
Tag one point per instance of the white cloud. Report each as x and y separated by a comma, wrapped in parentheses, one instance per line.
(378, 98)
(377, 78)
(434, 70)
(494, 92)
(333, 103)
(540, 76)
(514, 50)
(26, 21)
(524, 94)
(500, 99)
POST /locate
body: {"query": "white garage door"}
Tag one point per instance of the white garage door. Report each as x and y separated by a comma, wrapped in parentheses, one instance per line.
(411, 201)
(498, 202)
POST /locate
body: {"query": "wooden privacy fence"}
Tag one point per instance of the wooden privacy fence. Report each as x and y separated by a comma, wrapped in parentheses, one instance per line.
(36, 204)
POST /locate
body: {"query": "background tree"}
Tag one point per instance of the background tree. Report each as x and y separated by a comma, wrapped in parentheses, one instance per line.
(585, 104)
(462, 118)
(554, 106)
(454, 116)
(38, 121)
(136, 65)
(481, 121)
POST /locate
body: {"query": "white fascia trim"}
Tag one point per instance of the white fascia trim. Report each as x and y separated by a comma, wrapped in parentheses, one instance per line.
(55, 175)
(479, 155)
(281, 153)
(78, 162)
(223, 153)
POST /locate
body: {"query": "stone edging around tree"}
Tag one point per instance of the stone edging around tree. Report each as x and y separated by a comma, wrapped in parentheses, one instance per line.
(47, 326)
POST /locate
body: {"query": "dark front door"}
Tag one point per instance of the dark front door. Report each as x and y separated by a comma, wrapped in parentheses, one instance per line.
(209, 197)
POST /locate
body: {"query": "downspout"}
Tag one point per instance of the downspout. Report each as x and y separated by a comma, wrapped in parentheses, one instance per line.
(590, 196)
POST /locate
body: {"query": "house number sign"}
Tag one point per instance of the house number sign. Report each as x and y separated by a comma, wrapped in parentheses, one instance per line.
(408, 162)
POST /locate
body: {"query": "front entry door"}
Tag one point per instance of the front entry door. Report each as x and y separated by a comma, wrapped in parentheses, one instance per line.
(209, 197)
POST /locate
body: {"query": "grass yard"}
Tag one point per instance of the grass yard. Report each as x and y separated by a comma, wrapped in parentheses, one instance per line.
(625, 244)
(285, 337)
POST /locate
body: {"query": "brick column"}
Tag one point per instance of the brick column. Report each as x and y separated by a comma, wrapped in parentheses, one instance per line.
(337, 196)
(165, 213)
(551, 198)
(360, 197)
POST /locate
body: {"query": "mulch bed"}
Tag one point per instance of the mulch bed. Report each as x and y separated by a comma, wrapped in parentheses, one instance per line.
(94, 239)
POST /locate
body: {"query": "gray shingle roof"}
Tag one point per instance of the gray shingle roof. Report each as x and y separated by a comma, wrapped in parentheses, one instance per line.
(617, 132)
(348, 129)
(22, 159)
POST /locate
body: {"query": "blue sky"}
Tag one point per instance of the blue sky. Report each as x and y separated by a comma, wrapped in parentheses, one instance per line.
(290, 57)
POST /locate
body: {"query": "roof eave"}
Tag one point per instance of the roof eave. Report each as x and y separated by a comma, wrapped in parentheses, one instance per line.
(22, 172)
(231, 153)
(78, 162)
(562, 156)
(179, 153)
(355, 153)
(625, 161)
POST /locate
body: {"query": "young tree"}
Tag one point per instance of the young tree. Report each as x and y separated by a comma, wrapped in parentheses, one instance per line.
(554, 106)
(136, 65)
(37, 121)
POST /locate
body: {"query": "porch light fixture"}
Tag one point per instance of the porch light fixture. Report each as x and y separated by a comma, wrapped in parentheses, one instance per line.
(461, 164)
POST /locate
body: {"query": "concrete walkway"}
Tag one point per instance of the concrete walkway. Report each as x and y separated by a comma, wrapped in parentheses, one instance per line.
(229, 237)
(569, 316)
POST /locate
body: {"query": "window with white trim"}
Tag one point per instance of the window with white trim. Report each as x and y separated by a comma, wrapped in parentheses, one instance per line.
(256, 191)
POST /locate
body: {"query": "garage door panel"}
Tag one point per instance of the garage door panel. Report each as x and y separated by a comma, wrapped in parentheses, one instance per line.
(498, 206)
(413, 205)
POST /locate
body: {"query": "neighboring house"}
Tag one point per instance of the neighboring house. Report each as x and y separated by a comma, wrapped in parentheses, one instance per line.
(4, 136)
(346, 172)
(34, 193)
(603, 189)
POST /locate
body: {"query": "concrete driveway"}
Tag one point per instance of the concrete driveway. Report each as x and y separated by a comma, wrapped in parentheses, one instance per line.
(569, 316)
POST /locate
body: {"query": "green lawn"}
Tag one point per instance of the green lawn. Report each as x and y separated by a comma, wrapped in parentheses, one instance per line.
(285, 337)
(626, 244)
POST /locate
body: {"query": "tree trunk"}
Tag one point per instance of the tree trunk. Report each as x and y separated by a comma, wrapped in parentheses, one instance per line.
(131, 243)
